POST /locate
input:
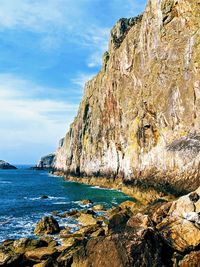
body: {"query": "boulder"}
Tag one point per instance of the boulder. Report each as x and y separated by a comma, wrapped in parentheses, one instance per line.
(85, 202)
(180, 234)
(87, 219)
(9, 258)
(48, 225)
(118, 221)
(183, 205)
(39, 254)
(98, 207)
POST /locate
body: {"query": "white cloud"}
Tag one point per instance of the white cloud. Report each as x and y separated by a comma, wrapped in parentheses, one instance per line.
(28, 120)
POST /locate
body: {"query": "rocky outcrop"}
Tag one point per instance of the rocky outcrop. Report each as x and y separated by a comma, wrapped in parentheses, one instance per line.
(139, 117)
(6, 166)
(48, 225)
(46, 163)
(131, 234)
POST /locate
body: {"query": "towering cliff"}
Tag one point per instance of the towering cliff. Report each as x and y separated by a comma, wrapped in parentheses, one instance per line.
(140, 116)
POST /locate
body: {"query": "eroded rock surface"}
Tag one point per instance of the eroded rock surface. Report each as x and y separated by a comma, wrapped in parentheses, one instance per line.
(139, 117)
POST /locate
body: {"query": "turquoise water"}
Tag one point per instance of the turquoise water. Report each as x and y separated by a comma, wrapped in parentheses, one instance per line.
(21, 205)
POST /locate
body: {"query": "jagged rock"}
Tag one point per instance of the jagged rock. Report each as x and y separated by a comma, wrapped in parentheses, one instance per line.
(48, 225)
(6, 166)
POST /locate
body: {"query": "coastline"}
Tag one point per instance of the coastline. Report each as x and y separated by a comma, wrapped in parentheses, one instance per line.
(143, 194)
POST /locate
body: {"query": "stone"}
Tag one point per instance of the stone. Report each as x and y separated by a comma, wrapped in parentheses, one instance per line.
(44, 197)
(39, 254)
(87, 219)
(191, 260)
(118, 221)
(85, 202)
(48, 225)
(98, 207)
(131, 205)
(139, 221)
(9, 257)
(6, 166)
(181, 206)
(161, 213)
(181, 235)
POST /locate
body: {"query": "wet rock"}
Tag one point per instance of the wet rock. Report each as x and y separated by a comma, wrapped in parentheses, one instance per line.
(87, 219)
(85, 202)
(44, 197)
(98, 207)
(48, 225)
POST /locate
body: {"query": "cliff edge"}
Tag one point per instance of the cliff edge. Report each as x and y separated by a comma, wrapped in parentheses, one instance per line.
(140, 116)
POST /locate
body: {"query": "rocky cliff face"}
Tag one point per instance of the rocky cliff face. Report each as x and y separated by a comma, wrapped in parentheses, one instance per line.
(140, 116)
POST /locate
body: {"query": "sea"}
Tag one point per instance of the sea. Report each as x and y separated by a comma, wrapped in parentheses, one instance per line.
(21, 206)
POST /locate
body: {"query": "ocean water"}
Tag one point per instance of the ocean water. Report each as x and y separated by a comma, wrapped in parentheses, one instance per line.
(21, 205)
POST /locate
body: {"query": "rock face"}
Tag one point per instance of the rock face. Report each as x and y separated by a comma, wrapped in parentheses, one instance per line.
(139, 117)
(46, 162)
(6, 166)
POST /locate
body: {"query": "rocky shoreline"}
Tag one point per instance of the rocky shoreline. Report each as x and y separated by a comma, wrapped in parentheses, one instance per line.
(163, 233)
(143, 192)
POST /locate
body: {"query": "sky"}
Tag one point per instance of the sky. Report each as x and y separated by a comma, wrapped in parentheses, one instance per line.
(48, 50)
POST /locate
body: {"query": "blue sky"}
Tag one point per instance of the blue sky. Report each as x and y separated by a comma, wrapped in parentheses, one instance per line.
(48, 50)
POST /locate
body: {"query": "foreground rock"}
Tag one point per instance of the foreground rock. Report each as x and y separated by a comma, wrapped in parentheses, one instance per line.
(48, 225)
(160, 235)
(6, 166)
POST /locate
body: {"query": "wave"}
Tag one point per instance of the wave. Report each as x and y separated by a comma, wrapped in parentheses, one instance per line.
(5, 182)
(48, 198)
(60, 203)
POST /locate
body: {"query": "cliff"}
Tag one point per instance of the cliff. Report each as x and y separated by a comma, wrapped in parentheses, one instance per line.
(45, 163)
(139, 119)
